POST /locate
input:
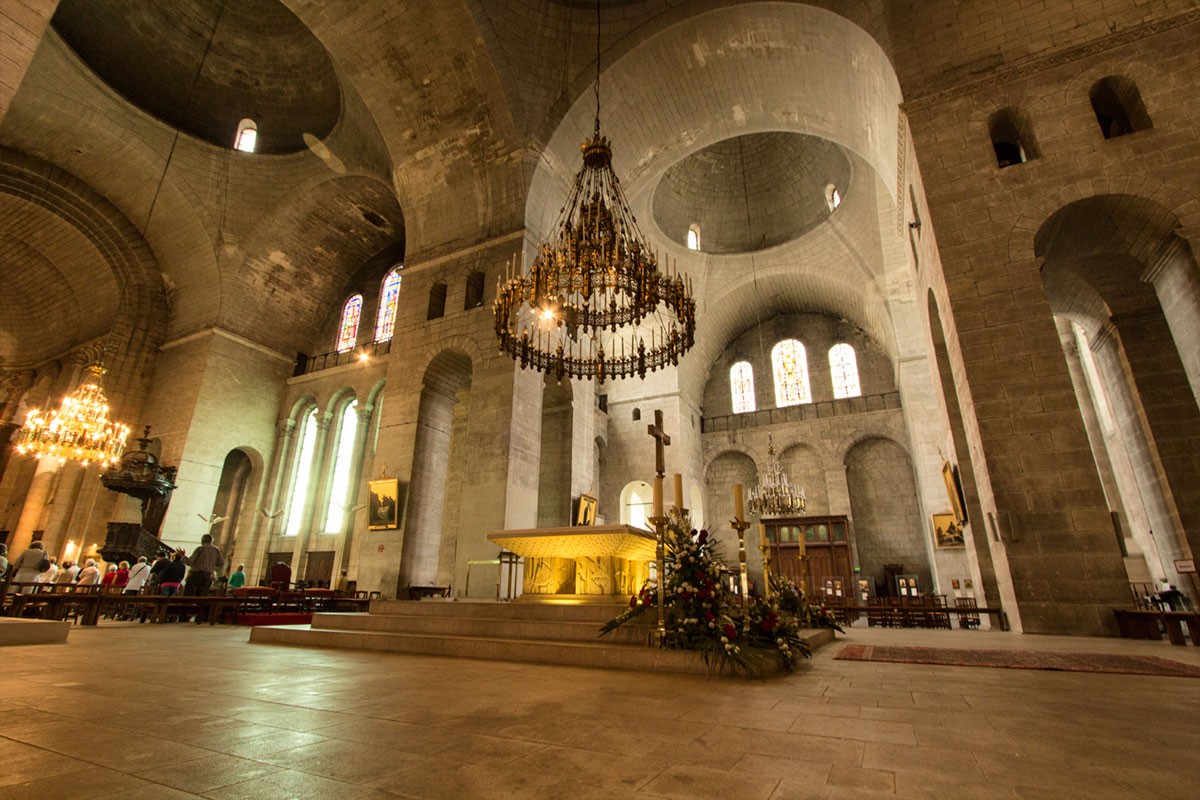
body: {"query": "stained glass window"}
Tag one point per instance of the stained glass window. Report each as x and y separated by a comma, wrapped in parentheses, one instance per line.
(790, 364)
(843, 367)
(348, 330)
(741, 386)
(389, 297)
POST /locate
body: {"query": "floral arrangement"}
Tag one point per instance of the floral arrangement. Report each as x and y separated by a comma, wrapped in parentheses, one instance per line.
(701, 614)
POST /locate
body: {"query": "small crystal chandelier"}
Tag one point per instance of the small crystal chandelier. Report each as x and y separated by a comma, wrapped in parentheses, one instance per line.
(594, 304)
(774, 496)
(80, 430)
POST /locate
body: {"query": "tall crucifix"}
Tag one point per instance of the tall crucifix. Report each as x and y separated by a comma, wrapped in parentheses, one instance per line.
(661, 439)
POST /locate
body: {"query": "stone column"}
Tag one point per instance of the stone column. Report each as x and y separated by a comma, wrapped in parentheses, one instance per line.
(35, 504)
(1176, 281)
(1170, 417)
(62, 506)
(263, 527)
(365, 413)
(1066, 568)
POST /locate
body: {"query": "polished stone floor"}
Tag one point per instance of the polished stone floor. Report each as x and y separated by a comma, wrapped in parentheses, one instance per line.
(175, 711)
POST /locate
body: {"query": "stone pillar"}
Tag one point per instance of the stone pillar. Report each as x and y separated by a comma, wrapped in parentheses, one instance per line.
(62, 506)
(365, 413)
(263, 527)
(1066, 568)
(1170, 417)
(35, 504)
(1176, 281)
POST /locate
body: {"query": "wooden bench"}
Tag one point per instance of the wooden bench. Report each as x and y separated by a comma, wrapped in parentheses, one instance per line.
(1149, 624)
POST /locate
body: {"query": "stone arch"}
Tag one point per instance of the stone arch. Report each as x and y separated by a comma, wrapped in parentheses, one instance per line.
(888, 528)
(430, 525)
(804, 465)
(732, 465)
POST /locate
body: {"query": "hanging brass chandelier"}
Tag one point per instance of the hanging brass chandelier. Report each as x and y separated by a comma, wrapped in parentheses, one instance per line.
(594, 303)
(774, 496)
(79, 430)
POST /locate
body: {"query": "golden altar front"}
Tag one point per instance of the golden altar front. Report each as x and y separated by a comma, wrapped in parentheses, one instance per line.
(588, 562)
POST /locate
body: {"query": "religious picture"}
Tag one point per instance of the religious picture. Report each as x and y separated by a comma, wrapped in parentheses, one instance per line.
(586, 515)
(947, 531)
(385, 502)
(954, 492)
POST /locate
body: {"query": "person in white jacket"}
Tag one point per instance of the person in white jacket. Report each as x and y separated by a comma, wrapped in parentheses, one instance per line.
(138, 577)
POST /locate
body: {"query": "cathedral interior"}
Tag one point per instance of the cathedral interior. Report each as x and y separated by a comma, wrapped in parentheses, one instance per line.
(943, 258)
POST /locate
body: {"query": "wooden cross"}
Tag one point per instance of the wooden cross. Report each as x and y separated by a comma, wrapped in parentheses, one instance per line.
(660, 440)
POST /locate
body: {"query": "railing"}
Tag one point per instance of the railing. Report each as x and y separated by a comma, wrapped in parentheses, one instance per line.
(306, 364)
(807, 411)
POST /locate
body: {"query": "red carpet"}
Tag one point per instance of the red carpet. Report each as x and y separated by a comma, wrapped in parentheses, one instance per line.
(274, 619)
(1021, 659)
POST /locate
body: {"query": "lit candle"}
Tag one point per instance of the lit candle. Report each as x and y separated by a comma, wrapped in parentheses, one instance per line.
(739, 509)
(678, 490)
(658, 491)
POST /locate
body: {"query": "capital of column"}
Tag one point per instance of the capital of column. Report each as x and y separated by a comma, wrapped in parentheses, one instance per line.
(1162, 258)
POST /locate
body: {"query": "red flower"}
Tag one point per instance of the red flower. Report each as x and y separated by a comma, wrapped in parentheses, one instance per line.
(633, 602)
(729, 631)
(703, 537)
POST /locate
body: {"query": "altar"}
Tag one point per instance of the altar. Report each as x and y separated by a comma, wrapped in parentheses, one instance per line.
(588, 562)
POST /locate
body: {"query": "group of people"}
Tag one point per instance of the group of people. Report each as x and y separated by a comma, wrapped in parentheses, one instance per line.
(178, 573)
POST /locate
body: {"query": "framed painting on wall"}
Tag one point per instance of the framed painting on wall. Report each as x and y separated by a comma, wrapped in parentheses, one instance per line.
(947, 531)
(384, 509)
(954, 492)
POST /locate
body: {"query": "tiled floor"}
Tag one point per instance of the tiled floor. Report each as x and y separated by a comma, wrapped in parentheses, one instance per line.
(176, 711)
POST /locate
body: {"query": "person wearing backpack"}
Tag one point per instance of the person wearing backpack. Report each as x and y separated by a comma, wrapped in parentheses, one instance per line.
(29, 565)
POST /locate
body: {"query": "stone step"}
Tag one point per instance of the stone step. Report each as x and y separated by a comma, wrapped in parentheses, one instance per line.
(577, 654)
(484, 626)
(597, 612)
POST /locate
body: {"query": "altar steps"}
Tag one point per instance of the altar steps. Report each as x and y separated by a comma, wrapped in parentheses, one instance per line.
(532, 633)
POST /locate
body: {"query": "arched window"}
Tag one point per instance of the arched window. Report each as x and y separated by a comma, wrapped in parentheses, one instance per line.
(302, 473)
(474, 295)
(833, 197)
(1118, 106)
(637, 501)
(1012, 137)
(246, 137)
(389, 298)
(790, 364)
(741, 387)
(693, 237)
(437, 301)
(843, 367)
(339, 488)
(348, 329)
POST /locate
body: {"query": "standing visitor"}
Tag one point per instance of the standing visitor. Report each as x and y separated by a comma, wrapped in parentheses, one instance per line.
(49, 575)
(3, 559)
(90, 574)
(237, 578)
(110, 575)
(172, 575)
(138, 576)
(28, 565)
(122, 577)
(205, 560)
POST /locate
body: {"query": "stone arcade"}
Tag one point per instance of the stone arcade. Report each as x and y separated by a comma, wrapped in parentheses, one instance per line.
(920, 236)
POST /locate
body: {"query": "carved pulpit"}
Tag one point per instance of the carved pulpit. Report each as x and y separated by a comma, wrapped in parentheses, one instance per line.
(592, 563)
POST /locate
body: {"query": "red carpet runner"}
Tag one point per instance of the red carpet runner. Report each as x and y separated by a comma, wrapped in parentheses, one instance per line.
(1021, 659)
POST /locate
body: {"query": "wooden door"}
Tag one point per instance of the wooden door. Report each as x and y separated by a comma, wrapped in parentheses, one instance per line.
(318, 570)
(815, 553)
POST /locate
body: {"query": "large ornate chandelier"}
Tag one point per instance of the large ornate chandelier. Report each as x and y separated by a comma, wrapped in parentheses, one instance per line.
(594, 304)
(774, 496)
(80, 430)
